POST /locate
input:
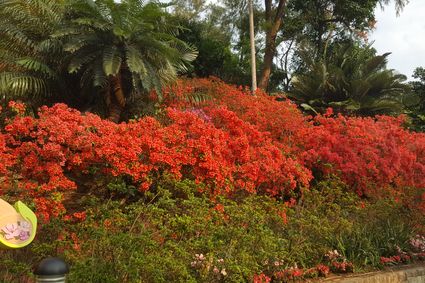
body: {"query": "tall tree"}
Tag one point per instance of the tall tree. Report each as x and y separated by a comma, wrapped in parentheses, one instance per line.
(273, 20)
(221, 41)
(189, 9)
(320, 21)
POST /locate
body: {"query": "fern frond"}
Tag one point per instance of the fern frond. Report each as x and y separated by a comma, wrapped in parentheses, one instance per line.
(111, 60)
(31, 64)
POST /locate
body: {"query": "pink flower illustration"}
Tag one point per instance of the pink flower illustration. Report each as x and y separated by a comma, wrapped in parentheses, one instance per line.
(11, 231)
(24, 235)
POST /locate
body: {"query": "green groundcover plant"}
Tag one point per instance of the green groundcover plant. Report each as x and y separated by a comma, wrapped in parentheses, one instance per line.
(176, 234)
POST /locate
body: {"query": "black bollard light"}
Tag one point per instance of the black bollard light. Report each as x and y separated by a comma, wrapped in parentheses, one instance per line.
(52, 269)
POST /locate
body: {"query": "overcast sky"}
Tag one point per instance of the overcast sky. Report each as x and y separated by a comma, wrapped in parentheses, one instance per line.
(404, 36)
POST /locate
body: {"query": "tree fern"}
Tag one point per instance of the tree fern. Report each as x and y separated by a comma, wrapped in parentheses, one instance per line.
(129, 43)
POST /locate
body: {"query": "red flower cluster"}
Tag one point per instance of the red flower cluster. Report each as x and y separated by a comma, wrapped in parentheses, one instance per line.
(393, 260)
(402, 257)
(289, 274)
(232, 142)
(370, 154)
(261, 278)
(322, 270)
(294, 273)
(227, 154)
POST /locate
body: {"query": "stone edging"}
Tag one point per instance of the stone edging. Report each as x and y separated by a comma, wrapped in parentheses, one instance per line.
(409, 274)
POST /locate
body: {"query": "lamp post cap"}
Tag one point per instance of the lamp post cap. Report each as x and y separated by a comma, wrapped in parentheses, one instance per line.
(52, 266)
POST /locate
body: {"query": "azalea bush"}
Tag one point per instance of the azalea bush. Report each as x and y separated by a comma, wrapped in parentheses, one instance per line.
(370, 154)
(232, 142)
(374, 156)
(45, 156)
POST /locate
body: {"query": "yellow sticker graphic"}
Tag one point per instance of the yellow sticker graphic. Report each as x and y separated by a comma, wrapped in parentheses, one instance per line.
(18, 225)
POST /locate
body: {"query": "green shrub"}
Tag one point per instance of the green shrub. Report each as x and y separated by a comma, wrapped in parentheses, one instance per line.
(176, 234)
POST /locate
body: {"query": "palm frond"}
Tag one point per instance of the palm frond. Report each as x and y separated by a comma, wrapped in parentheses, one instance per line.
(135, 60)
(19, 86)
(29, 57)
(111, 60)
(352, 79)
(34, 65)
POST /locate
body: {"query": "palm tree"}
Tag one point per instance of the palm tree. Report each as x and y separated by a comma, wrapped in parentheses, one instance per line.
(28, 56)
(352, 80)
(122, 49)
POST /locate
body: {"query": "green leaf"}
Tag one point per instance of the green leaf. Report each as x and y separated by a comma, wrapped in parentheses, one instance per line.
(37, 66)
(111, 61)
(78, 61)
(135, 60)
(308, 108)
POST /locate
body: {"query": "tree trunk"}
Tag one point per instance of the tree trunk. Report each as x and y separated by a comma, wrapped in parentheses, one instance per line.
(117, 99)
(274, 23)
(252, 43)
(267, 64)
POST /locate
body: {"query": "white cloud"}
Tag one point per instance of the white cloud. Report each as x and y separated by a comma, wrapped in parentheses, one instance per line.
(404, 36)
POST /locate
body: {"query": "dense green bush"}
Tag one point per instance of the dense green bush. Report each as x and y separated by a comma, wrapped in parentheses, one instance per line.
(176, 234)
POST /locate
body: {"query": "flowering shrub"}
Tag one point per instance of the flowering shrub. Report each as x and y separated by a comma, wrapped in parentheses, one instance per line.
(228, 155)
(369, 154)
(262, 164)
(230, 142)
